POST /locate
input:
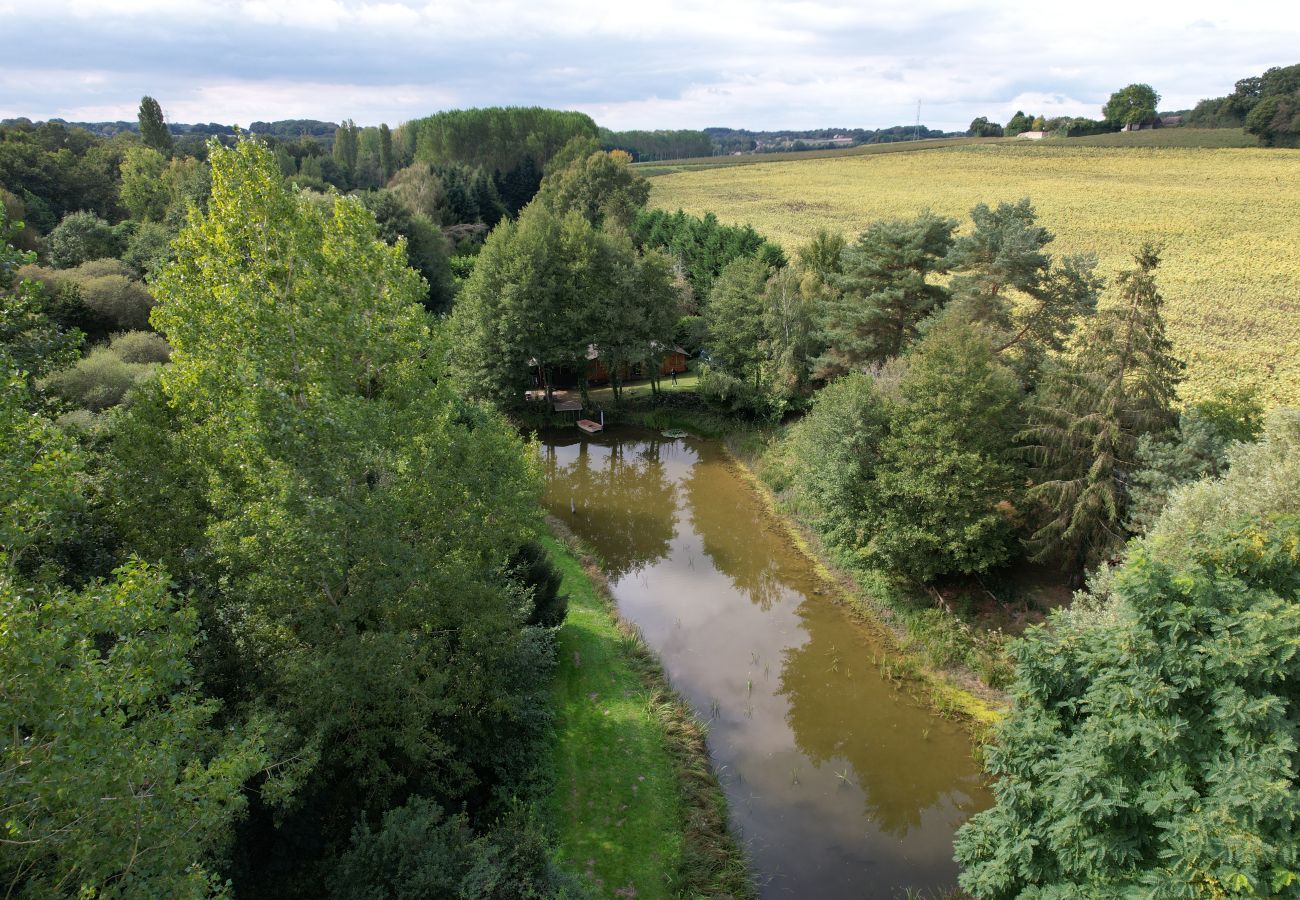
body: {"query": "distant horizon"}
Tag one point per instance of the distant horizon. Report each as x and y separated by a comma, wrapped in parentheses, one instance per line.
(771, 64)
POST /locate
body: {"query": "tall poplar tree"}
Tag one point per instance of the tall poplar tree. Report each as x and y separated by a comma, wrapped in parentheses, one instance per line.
(1090, 413)
(153, 129)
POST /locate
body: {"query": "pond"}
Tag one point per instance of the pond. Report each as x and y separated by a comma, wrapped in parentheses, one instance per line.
(839, 783)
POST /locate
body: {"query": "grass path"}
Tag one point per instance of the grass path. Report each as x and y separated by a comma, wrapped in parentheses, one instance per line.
(636, 810)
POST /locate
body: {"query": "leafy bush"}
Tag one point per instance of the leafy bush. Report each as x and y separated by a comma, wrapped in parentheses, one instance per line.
(533, 567)
(83, 236)
(420, 852)
(116, 299)
(98, 268)
(141, 347)
(831, 457)
(148, 249)
(1151, 750)
(98, 381)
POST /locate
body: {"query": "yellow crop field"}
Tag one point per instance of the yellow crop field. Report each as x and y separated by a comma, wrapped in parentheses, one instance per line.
(1229, 220)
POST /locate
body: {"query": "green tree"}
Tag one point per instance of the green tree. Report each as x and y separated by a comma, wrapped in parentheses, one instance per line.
(1275, 120)
(83, 236)
(884, 291)
(154, 132)
(1132, 105)
(344, 523)
(600, 187)
(1199, 449)
(828, 460)
(387, 161)
(1018, 123)
(30, 339)
(735, 318)
(525, 306)
(701, 246)
(1151, 749)
(790, 309)
(1006, 279)
(823, 254)
(114, 779)
(143, 192)
(426, 248)
(1089, 415)
(346, 151)
(949, 481)
(982, 127)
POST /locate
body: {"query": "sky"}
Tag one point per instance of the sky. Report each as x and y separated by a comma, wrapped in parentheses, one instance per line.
(759, 64)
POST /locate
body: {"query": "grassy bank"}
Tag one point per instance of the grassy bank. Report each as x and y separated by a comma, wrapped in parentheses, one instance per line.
(636, 809)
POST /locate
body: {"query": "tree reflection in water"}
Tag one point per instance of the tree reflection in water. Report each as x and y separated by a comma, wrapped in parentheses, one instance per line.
(734, 542)
(626, 506)
(898, 760)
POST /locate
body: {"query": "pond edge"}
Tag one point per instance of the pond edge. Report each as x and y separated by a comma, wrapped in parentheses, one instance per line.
(974, 704)
(713, 863)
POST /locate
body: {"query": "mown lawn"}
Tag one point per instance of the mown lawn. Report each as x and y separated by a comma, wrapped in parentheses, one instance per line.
(616, 811)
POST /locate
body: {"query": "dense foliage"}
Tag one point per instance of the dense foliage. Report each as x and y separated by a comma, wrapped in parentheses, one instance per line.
(336, 620)
(1267, 105)
(1152, 747)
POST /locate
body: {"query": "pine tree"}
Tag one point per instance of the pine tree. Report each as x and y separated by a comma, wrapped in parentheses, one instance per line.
(883, 294)
(1007, 279)
(153, 130)
(1090, 414)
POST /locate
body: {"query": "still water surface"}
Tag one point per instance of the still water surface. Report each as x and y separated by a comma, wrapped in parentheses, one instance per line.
(841, 786)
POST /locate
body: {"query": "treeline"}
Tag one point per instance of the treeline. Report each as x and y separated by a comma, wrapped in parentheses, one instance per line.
(587, 275)
(658, 145)
(739, 140)
(1266, 105)
(274, 626)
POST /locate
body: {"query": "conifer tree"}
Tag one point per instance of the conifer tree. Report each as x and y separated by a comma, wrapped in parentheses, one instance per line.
(153, 130)
(883, 293)
(1091, 412)
(1007, 279)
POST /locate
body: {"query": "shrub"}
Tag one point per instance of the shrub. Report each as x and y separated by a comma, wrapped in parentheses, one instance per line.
(141, 347)
(117, 299)
(148, 249)
(98, 381)
(420, 852)
(97, 268)
(533, 567)
(832, 455)
(82, 236)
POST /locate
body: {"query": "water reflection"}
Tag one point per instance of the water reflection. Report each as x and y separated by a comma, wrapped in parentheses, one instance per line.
(621, 501)
(841, 786)
(901, 771)
(731, 541)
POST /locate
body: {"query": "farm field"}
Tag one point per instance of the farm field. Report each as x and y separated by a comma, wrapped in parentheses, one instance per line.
(1208, 138)
(1229, 220)
(693, 164)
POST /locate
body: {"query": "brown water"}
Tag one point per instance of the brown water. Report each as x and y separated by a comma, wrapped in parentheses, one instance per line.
(840, 785)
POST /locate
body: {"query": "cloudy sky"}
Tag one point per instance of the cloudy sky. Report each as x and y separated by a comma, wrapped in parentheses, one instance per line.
(667, 64)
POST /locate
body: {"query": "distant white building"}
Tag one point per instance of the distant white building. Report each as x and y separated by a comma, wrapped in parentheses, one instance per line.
(1033, 135)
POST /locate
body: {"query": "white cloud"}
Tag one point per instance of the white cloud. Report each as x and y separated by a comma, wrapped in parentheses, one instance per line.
(680, 63)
